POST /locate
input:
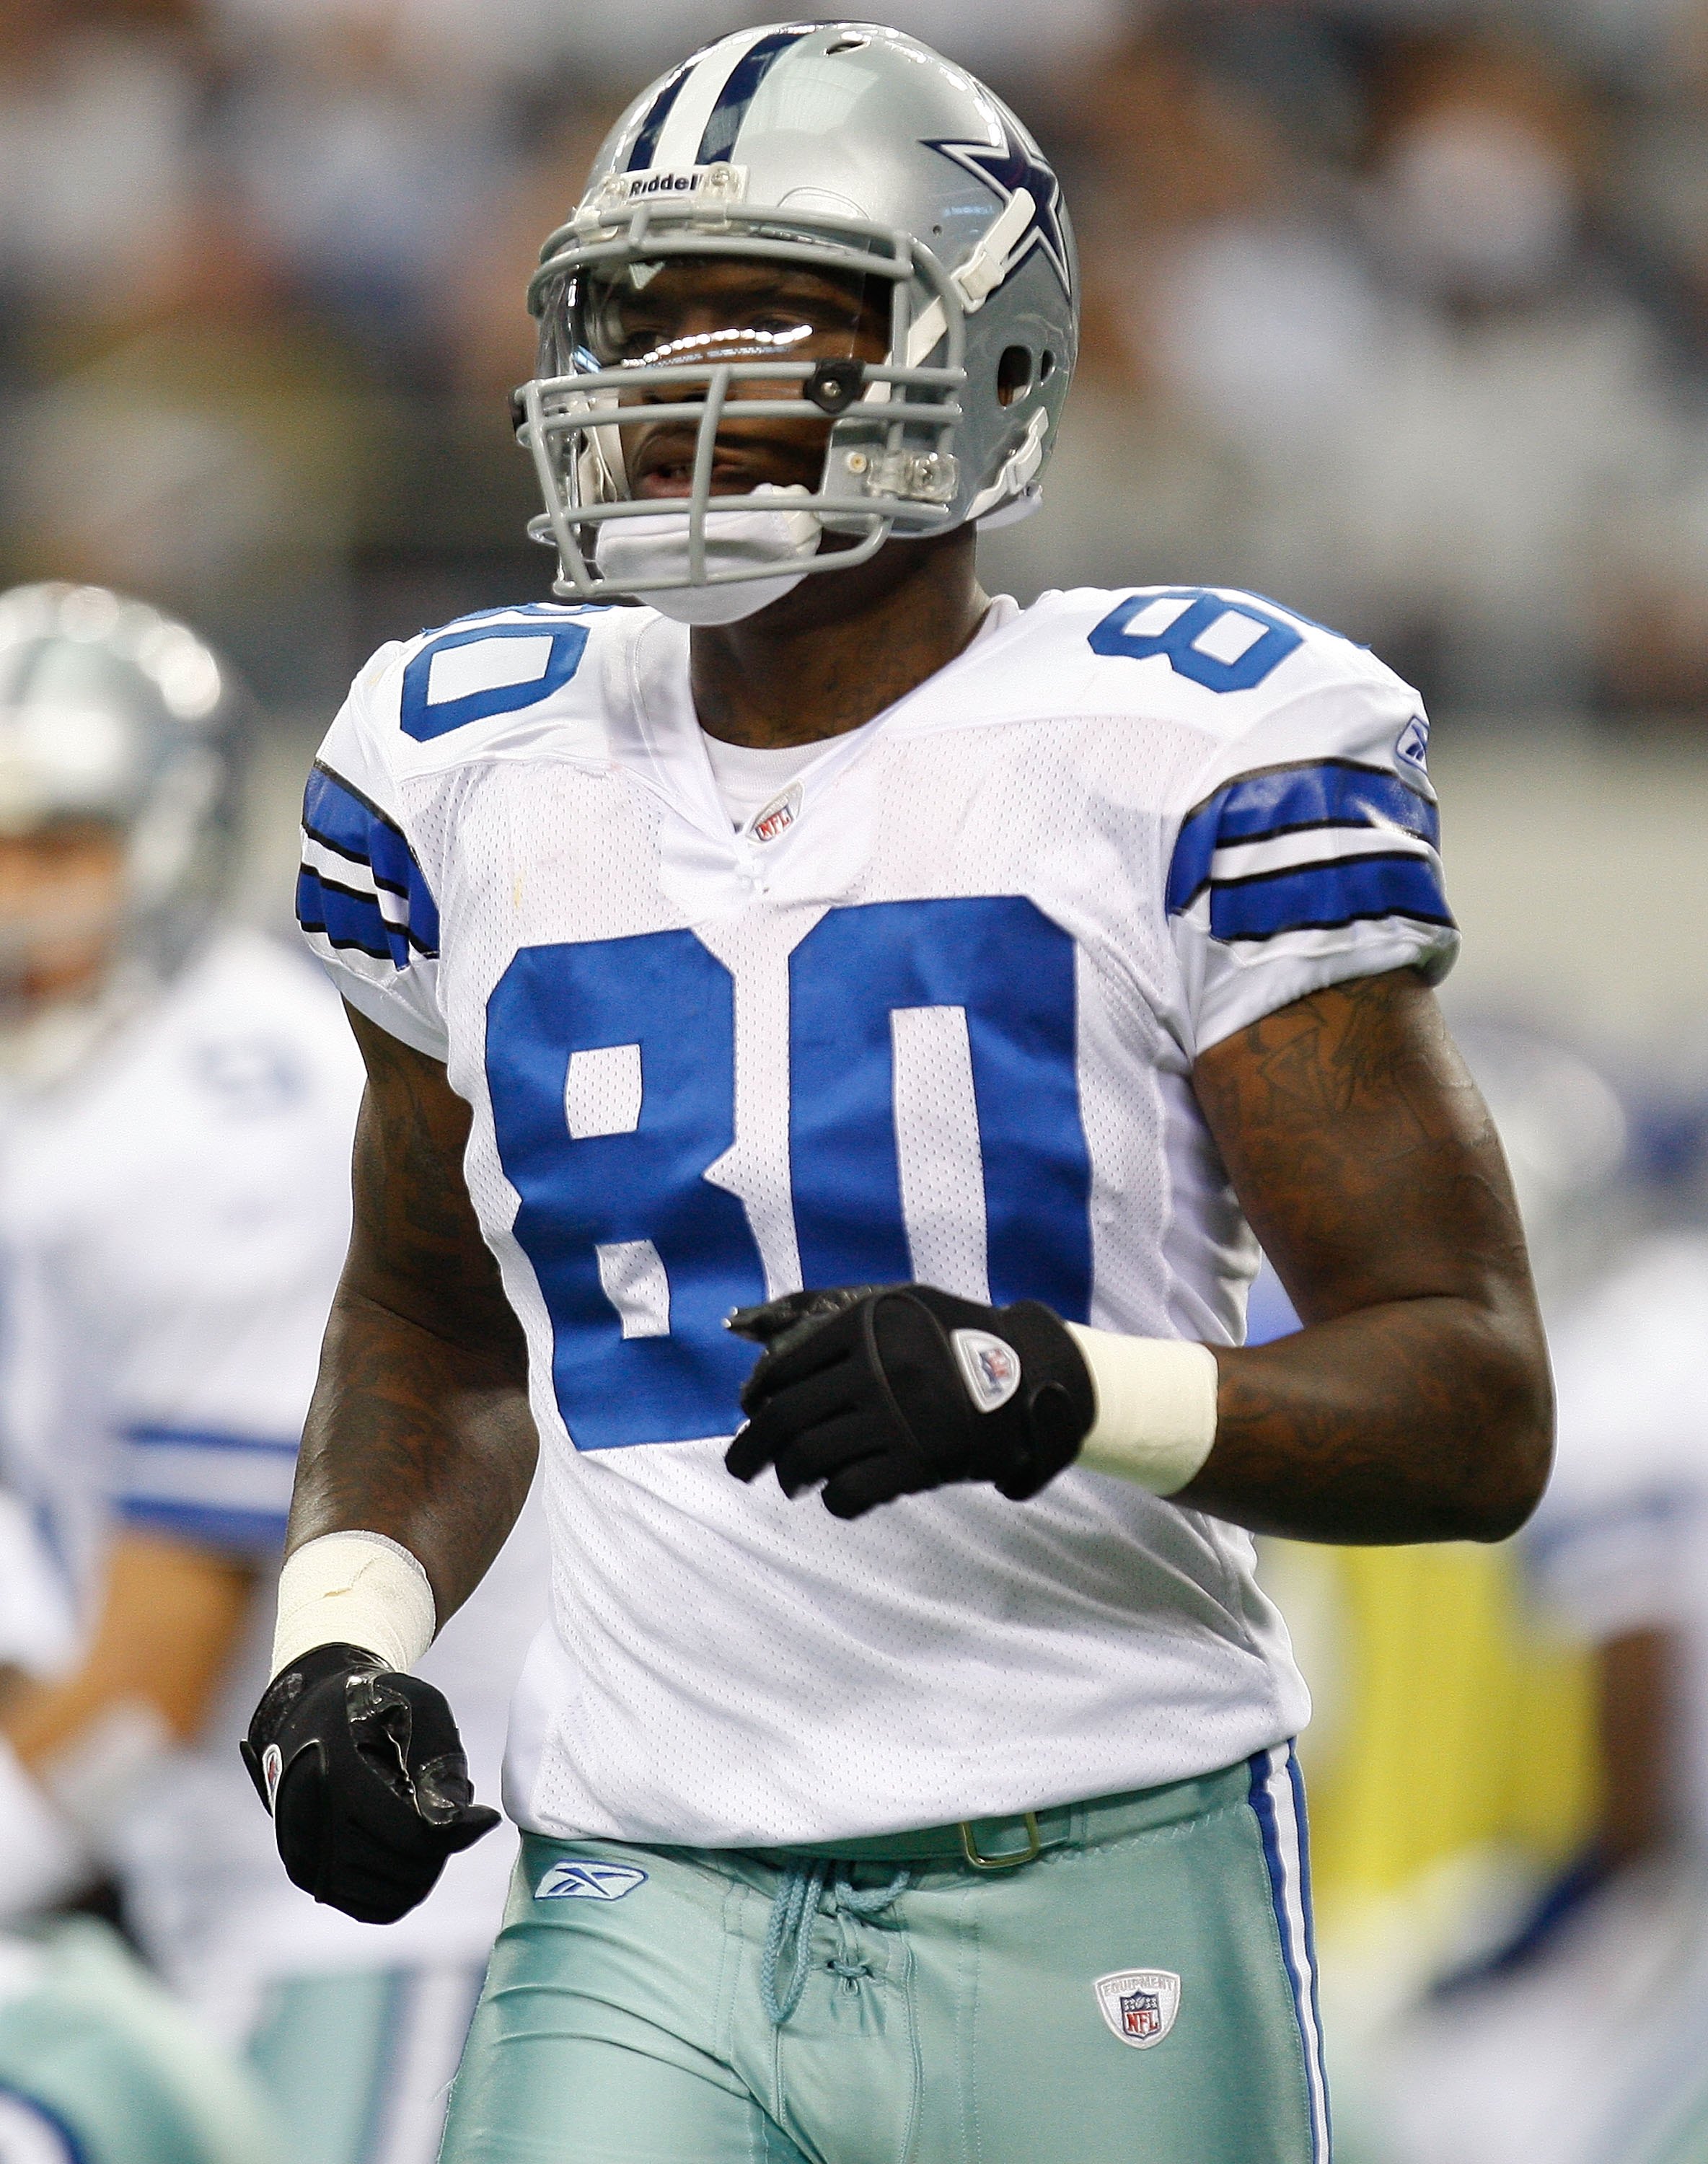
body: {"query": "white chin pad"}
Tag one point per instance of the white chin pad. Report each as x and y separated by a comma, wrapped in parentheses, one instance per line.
(630, 551)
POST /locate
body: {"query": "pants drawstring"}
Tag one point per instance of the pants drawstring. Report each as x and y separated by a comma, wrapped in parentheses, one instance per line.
(795, 1905)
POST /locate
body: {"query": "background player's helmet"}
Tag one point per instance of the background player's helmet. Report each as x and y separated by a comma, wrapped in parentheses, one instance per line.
(120, 736)
(855, 150)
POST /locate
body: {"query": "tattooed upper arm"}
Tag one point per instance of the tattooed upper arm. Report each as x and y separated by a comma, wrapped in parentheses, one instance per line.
(416, 1245)
(1362, 1152)
(1415, 1405)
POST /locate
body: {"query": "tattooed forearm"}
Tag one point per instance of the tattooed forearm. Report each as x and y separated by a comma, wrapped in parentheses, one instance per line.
(419, 1427)
(1417, 1403)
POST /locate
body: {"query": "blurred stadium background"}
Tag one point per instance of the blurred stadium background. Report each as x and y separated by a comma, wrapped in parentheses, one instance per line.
(1397, 310)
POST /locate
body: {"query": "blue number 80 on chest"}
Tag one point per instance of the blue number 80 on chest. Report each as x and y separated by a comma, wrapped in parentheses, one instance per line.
(611, 1065)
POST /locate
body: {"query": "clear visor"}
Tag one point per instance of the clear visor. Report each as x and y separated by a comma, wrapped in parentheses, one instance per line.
(725, 367)
(687, 314)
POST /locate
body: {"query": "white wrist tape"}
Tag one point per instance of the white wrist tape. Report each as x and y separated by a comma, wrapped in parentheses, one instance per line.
(354, 1589)
(1156, 1407)
(41, 1858)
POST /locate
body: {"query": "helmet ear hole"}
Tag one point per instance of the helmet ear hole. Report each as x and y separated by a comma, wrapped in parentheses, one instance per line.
(1013, 373)
(1046, 366)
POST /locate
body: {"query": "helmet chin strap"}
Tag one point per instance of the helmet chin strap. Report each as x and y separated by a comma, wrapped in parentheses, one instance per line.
(631, 552)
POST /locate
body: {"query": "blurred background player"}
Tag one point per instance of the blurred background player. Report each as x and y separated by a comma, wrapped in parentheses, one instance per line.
(99, 2063)
(1496, 2066)
(178, 1099)
(1454, 1750)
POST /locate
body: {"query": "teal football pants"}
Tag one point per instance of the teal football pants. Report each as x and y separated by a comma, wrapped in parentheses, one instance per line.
(1140, 1992)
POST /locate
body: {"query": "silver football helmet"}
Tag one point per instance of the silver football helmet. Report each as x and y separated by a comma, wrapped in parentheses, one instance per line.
(854, 153)
(120, 740)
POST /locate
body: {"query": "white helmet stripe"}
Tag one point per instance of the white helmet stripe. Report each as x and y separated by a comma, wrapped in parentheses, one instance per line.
(729, 114)
(679, 142)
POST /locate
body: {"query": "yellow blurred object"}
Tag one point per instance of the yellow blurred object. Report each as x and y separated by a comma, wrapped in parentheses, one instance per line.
(1449, 1720)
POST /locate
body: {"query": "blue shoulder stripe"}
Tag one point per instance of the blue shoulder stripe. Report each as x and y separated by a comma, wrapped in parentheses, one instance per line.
(1324, 897)
(1290, 800)
(725, 123)
(341, 819)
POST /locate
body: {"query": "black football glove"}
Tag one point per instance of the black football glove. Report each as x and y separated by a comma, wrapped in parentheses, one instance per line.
(885, 1390)
(364, 1773)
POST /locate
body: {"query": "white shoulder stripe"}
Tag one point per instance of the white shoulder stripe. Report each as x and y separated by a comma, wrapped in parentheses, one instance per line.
(341, 871)
(1316, 845)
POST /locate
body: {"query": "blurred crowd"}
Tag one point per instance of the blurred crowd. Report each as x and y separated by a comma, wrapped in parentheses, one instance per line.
(1396, 312)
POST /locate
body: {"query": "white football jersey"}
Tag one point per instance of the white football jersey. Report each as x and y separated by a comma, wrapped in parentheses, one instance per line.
(173, 1220)
(930, 1013)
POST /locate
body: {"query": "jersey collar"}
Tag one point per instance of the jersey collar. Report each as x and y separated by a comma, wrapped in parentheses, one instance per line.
(656, 735)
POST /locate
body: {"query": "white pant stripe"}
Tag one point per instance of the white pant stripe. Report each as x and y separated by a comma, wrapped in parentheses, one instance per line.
(1276, 1802)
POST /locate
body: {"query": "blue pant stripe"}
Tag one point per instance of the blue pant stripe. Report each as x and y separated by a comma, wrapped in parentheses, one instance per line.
(1295, 1775)
(1285, 1857)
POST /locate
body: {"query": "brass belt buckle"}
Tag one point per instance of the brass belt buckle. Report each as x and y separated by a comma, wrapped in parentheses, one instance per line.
(969, 1846)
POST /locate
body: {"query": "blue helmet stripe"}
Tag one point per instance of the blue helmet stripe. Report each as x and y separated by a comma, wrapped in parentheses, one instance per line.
(725, 123)
(646, 143)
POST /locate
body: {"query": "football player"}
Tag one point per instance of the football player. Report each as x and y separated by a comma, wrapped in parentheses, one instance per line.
(824, 959)
(175, 1129)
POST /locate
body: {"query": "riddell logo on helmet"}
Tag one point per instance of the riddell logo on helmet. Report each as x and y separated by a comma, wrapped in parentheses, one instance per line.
(727, 182)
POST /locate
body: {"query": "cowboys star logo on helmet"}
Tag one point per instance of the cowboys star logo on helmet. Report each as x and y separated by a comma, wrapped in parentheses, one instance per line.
(1014, 164)
(842, 153)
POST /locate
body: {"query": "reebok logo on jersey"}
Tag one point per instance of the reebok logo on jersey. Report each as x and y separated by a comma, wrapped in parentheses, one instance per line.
(581, 1879)
(1414, 743)
(990, 1368)
(1139, 2004)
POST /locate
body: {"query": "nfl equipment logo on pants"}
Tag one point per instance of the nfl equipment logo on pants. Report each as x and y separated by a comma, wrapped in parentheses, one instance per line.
(1139, 2004)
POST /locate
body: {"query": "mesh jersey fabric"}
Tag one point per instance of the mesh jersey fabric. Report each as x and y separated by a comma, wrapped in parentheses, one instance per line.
(173, 1220)
(941, 1023)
